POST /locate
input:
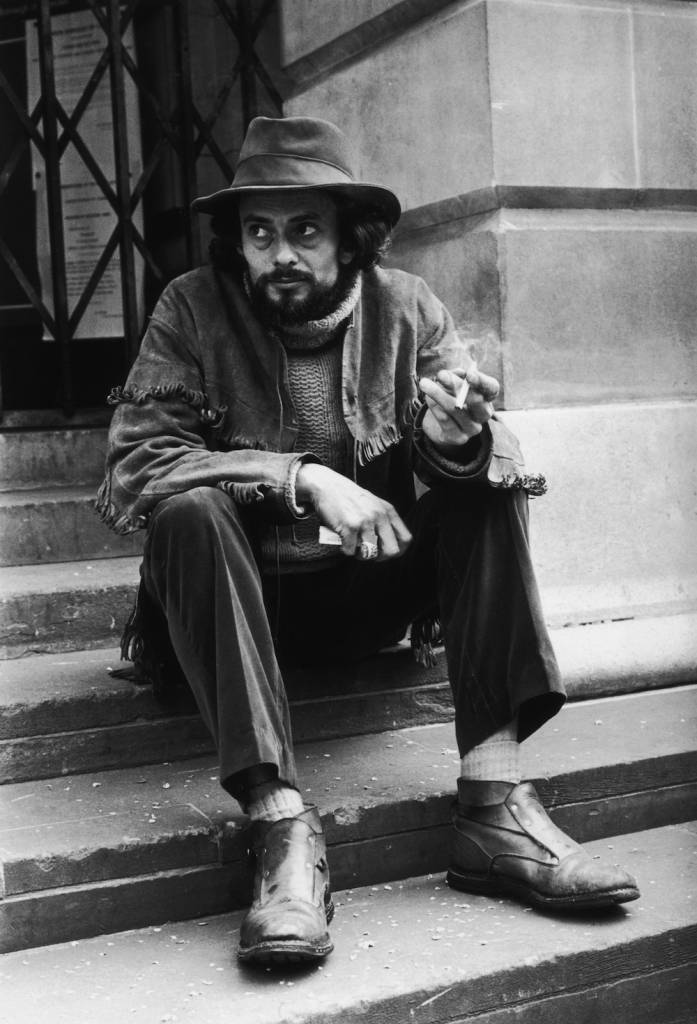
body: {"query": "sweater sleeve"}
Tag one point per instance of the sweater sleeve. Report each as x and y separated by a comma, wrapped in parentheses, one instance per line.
(160, 438)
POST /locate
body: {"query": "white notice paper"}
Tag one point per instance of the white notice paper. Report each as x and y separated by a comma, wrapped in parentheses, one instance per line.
(88, 217)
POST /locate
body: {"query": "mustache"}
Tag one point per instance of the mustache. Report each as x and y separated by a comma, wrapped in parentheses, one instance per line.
(284, 276)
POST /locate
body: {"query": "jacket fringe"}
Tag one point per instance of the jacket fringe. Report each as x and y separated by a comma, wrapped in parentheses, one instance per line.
(426, 632)
(211, 417)
(243, 494)
(534, 484)
(237, 442)
(409, 410)
(389, 434)
(145, 642)
(377, 443)
(111, 516)
(132, 640)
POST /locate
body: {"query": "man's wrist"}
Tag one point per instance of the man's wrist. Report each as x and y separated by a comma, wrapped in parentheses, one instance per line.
(299, 494)
(306, 482)
(464, 451)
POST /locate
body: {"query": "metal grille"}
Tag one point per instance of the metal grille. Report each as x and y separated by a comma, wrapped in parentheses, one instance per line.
(179, 136)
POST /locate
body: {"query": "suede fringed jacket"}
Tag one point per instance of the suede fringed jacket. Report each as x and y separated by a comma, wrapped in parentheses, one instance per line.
(207, 403)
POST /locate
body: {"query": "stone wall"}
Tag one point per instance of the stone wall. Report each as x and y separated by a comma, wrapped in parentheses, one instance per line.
(546, 156)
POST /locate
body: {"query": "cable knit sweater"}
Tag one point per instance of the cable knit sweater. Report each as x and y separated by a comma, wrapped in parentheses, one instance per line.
(314, 379)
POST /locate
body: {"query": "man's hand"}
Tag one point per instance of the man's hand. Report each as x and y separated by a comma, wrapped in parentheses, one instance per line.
(355, 514)
(447, 426)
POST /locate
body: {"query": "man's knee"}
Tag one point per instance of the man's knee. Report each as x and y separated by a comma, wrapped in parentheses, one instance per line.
(192, 511)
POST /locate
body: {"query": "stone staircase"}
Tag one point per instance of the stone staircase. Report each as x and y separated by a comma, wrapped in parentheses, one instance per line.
(124, 864)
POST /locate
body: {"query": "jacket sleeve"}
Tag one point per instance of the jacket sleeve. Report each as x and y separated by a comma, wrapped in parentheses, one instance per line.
(494, 456)
(160, 434)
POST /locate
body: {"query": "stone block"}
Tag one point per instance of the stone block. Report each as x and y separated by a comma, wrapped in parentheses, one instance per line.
(44, 458)
(459, 262)
(561, 94)
(304, 28)
(569, 306)
(665, 58)
(598, 306)
(65, 606)
(58, 525)
(417, 108)
(616, 535)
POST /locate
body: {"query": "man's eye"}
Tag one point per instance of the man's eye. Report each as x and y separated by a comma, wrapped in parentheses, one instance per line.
(257, 231)
(307, 230)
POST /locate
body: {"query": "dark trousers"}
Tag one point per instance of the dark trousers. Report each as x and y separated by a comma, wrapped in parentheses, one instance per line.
(232, 628)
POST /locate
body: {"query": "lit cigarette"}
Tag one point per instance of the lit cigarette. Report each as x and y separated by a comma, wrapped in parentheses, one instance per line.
(462, 394)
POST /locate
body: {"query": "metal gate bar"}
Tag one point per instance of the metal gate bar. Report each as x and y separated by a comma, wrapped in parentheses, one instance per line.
(123, 190)
(186, 129)
(55, 205)
(193, 248)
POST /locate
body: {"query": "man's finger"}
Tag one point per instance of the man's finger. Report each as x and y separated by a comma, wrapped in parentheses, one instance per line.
(483, 384)
(402, 531)
(441, 413)
(437, 394)
(478, 409)
(451, 380)
(349, 539)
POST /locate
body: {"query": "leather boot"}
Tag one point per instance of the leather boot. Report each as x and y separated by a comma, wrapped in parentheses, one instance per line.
(506, 843)
(292, 905)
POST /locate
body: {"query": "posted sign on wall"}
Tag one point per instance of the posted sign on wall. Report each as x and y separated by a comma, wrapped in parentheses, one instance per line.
(88, 217)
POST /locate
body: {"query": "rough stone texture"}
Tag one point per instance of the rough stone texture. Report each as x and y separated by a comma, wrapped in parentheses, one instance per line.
(575, 95)
(46, 458)
(616, 533)
(411, 950)
(57, 526)
(599, 307)
(65, 713)
(374, 792)
(65, 606)
(459, 261)
(379, 102)
(570, 306)
(561, 94)
(302, 31)
(665, 56)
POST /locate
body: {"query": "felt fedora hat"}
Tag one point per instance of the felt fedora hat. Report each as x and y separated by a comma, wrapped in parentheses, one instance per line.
(294, 153)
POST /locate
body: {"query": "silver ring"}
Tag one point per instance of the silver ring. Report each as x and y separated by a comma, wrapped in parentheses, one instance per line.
(368, 549)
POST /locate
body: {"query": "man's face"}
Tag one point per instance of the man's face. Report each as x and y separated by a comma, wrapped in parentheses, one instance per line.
(290, 241)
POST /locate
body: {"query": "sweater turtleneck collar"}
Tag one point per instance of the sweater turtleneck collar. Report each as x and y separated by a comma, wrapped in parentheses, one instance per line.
(314, 334)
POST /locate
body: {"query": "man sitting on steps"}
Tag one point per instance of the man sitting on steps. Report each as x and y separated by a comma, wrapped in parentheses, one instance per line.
(296, 385)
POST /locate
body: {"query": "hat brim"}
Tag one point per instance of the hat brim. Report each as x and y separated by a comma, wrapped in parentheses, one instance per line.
(367, 195)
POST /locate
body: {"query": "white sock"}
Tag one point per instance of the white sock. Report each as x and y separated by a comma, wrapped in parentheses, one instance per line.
(273, 801)
(497, 759)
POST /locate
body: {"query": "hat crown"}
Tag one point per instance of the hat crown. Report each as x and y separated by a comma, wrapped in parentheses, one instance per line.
(299, 153)
(297, 138)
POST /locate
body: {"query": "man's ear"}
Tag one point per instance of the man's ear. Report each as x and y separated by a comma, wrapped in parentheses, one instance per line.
(345, 256)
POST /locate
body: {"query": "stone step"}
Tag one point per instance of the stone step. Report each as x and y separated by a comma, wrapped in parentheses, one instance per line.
(411, 950)
(65, 606)
(119, 849)
(67, 713)
(57, 525)
(51, 458)
(63, 713)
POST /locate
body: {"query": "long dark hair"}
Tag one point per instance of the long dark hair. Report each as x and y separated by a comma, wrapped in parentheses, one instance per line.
(364, 231)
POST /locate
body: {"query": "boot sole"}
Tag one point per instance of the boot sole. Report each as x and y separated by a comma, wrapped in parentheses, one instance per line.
(288, 951)
(284, 951)
(488, 885)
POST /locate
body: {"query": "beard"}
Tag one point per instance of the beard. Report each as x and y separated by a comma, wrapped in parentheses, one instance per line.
(289, 310)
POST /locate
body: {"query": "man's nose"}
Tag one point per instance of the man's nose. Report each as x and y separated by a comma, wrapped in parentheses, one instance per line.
(284, 254)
